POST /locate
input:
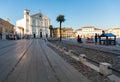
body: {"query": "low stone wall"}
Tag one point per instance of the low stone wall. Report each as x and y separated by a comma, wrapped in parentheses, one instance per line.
(102, 68)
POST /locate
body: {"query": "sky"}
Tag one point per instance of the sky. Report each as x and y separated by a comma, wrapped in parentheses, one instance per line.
(103, 14)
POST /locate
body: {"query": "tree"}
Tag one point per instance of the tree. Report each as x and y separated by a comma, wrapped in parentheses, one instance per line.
(60, 18)
(51, 28)
(64, 29)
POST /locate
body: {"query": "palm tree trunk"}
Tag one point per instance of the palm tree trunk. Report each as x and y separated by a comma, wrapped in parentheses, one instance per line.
(60, 32)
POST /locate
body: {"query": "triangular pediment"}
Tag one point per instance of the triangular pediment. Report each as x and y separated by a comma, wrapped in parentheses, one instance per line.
(37, 15)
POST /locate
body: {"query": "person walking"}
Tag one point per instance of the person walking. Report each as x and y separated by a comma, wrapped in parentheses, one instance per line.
(0, 36)
(34, 36)
(96, 37)
(79, 39)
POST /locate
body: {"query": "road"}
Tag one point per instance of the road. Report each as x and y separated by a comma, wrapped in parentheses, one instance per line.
(33, 61)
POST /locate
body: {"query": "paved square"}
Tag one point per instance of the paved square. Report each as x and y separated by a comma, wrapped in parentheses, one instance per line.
(34, 61)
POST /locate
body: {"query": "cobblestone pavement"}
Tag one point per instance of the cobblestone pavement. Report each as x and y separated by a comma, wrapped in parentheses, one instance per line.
(96, 55)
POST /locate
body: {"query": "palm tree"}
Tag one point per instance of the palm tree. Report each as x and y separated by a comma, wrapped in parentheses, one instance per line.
(51, 28)
(60, 18)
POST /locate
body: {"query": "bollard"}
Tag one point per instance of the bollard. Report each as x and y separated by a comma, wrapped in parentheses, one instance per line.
(66, 52)
(63, 48)
(82, 58)
(70, 52)
(60, 49)
(104, 69)
(56, 46)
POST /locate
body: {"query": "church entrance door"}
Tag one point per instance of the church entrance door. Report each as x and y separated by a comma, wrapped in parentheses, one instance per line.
(40, 34)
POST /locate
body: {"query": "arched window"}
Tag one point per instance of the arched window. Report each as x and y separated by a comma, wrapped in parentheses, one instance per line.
(27, 13)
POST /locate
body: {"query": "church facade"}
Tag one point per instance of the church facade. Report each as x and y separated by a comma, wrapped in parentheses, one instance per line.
(36, 24)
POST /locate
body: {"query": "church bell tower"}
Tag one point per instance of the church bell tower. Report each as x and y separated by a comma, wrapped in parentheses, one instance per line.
(27, 21)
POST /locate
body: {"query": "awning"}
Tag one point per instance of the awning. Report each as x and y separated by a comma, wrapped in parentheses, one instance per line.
(107, 35)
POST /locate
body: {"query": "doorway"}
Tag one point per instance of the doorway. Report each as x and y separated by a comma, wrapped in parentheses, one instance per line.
(40, 34)
(34, 35)
(0, 36)
(46, 35)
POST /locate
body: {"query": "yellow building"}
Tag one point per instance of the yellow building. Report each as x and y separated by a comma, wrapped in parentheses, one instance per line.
(5, 28)
(66, 32)
(56, 33)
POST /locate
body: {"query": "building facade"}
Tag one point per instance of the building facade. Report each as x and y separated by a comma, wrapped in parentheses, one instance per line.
(66, 32)
(5, 29)
(115, 31)
(88, 31)
(37, 24)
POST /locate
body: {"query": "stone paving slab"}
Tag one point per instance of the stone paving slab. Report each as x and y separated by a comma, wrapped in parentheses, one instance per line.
(34, 61)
